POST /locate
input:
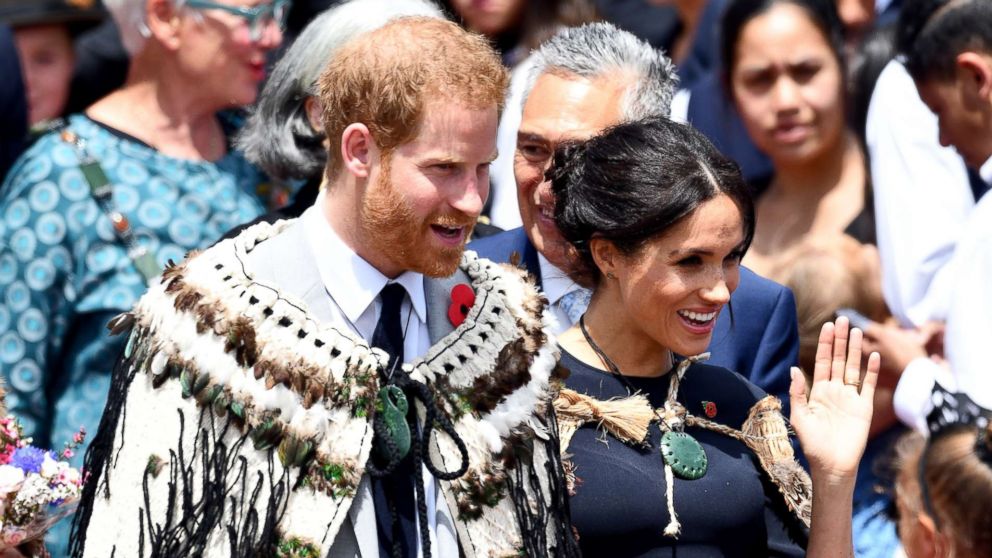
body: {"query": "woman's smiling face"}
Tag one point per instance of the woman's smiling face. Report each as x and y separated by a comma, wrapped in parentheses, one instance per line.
(674, 287)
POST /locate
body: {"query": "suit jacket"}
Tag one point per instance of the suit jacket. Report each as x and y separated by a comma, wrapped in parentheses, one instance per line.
(287, 260)
(758, 336)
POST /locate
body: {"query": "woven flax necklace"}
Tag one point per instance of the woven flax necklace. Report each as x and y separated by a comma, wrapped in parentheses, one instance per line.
(682, 454)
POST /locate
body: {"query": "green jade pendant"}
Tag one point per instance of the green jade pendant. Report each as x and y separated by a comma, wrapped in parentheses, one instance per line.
(392, 405)
(684, 454)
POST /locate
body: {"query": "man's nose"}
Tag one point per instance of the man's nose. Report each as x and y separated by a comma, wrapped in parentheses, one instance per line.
(472, 196)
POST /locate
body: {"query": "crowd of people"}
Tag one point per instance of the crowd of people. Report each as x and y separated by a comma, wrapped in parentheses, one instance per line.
(541, 278)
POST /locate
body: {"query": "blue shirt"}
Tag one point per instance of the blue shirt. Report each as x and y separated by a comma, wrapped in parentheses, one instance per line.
(64, 272)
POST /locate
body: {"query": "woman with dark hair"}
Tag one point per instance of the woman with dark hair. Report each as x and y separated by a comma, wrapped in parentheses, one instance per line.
(700, 463)
(785, 72)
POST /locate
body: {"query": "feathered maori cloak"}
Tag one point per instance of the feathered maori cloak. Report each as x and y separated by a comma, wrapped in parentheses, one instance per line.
(239, 426)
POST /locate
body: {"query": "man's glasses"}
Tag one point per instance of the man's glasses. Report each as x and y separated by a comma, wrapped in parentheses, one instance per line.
(257, 17)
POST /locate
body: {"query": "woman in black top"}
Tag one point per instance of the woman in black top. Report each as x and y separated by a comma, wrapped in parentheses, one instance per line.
(659, 221)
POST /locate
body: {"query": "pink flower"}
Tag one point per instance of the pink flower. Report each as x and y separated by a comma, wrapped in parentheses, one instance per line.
(67, 453)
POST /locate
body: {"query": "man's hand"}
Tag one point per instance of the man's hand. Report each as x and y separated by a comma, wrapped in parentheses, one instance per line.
(832, 416)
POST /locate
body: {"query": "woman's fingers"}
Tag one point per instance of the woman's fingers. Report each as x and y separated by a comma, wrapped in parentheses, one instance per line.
(839, 364)
(824, 348)
(852, 369)
(871, 377)
(797, 391)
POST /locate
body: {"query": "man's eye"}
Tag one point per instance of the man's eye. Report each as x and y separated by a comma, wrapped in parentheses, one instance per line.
(446, 167)
(533, 152)
(690, 261)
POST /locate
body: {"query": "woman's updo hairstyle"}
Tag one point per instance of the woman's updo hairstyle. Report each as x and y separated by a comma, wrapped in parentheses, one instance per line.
(635, 181)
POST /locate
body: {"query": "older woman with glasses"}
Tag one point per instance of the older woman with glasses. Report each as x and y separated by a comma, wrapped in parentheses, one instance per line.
(96, 208)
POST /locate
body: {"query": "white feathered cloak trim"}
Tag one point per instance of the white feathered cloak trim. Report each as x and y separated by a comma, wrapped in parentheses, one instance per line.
(237, 425)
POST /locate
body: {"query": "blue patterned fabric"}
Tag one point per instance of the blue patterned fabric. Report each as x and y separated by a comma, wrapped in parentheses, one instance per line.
(64, 273)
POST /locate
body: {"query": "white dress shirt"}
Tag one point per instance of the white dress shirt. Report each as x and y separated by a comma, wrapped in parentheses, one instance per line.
(354, 285)
(969, 328)
(556, 284)
(922, 198)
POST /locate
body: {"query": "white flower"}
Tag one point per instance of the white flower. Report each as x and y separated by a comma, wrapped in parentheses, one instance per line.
(72, 475)
(49, 467)
(11, 479)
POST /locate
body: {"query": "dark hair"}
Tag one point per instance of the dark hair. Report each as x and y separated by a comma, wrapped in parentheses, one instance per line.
(635, 181)
(952, 29)
(822, 13)
(913, 15)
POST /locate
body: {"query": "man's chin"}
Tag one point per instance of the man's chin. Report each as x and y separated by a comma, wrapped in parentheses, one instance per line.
(439, 263)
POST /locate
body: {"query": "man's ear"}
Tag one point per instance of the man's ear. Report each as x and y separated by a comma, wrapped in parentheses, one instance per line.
(358, 150)
(606, 256)
(162, 22)
(976, 69)
(315, 113)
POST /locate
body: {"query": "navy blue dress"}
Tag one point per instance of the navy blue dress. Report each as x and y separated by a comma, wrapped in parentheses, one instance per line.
(619, 506)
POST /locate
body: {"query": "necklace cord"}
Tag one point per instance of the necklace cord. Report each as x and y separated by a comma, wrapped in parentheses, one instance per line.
(673, 410)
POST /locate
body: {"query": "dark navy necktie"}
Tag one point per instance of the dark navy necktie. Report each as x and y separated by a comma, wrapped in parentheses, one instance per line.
(393, 495)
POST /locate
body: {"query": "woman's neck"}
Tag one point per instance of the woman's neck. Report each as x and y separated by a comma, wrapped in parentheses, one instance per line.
(814, 179)
(610, 328)
(164, 111)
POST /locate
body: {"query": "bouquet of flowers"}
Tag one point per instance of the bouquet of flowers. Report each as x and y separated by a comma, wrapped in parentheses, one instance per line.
(37, 487)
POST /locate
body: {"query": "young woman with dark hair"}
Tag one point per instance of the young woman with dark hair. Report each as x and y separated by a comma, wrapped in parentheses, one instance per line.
(699, 464)
(785, 71)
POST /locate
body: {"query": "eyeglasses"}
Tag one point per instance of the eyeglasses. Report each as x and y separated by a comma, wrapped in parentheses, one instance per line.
(257, 17)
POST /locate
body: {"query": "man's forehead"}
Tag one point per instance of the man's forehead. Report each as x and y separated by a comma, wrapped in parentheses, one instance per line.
(455, 132)
(572, 107)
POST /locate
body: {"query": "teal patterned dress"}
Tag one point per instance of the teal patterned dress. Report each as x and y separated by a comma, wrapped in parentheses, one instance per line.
(64, 272)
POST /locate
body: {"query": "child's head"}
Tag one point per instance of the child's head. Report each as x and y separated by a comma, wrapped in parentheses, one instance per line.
(950, 516)
(951, 61)
(828, 273)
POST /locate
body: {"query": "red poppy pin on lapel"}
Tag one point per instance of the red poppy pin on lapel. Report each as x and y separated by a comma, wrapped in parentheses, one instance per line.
(462, 300)
(709, 408)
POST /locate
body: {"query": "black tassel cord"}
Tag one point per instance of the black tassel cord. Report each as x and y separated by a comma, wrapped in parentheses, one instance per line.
(218, 472)
(224, 473)
(534, 516)
(419, 438)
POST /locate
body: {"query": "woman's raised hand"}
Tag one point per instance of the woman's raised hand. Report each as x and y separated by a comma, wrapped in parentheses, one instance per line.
(831, 417)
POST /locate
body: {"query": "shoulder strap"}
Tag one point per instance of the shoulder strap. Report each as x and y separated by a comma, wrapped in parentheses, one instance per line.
(102, 192)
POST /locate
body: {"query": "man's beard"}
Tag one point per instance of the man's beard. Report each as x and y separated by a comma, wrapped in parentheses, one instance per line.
(391, 229)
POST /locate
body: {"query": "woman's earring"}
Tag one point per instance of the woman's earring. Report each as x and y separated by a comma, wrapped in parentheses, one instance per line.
(610, 275)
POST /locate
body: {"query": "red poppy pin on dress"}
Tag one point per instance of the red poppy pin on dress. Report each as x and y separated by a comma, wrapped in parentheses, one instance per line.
(462, 300)
(709, 408)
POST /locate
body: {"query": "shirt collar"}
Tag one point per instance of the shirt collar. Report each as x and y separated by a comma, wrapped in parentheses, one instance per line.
(554, 282)
(351, 281)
